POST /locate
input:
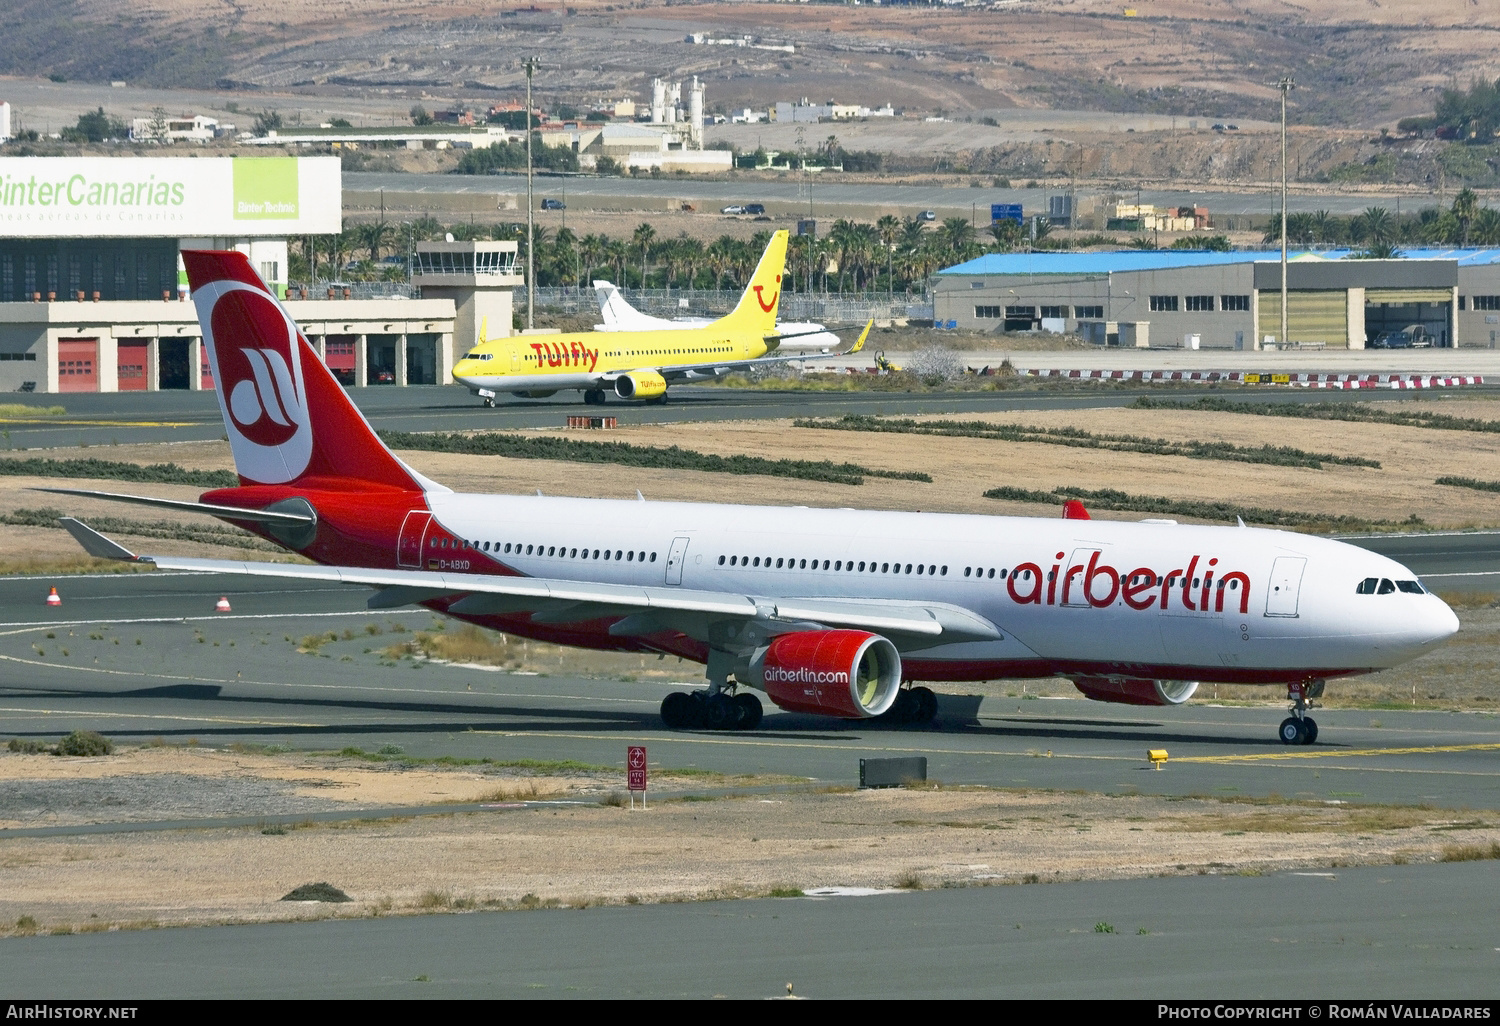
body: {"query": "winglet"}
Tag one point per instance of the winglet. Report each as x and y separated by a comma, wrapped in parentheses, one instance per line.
(1073, 510)
(94, 543)
(860, 344)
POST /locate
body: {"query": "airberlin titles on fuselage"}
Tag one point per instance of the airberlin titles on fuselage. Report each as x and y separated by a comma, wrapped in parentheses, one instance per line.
(1026, 585)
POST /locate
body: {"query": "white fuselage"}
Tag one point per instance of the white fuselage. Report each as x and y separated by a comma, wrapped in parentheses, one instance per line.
(1291, 608)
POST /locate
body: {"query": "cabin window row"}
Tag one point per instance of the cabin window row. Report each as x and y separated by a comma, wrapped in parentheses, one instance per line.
(556, 551)
(837, 565)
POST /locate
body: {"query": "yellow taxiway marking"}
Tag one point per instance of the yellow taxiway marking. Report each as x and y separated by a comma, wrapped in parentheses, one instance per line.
(1337, 754)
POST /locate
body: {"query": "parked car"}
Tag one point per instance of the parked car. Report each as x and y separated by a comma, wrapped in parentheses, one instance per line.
(1413, 336)
(755, 208)
(552, 204)
(732, 209)
(927, 215)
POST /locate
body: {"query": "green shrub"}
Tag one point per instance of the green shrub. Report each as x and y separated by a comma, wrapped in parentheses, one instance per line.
(26, 746)
(626, 454)
(85, 742)
(1276, 455)
(1109, 498)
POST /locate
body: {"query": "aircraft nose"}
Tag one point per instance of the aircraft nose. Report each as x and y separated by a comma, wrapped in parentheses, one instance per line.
(1439, 620)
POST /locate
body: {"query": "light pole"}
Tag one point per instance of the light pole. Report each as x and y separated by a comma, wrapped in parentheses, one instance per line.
(530, 65)
(1286, 85)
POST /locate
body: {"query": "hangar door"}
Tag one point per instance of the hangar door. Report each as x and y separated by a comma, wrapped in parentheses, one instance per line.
(1312, 316)
(1395, 309)
(78, 365)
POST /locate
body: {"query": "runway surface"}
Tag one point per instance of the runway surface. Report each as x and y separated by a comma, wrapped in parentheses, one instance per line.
(1394, 932)
(792, 194)
(244, 681)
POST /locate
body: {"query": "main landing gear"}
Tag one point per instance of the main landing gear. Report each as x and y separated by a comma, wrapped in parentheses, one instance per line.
(916, 706)
(1300, 728)
(718, 711)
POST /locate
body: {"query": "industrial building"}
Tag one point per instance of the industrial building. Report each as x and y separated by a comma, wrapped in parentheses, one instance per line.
(1228, 300)
(94, 297)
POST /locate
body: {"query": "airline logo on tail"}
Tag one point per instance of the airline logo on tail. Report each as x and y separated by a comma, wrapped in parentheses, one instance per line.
(259, 377)
(760, 297)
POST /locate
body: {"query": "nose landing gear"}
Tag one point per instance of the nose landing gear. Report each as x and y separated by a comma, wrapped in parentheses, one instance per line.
(1299, 728)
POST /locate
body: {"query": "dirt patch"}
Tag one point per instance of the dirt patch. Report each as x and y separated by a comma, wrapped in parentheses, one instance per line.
(758, 844)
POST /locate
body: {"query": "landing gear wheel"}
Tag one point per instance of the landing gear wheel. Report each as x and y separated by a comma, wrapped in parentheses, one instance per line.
(720, 713)
(594, 397)
(489, 403)
(678, 710)
(903, 710)
(1310, 729)
(926, 705)
(1292, 731)
(749, 709)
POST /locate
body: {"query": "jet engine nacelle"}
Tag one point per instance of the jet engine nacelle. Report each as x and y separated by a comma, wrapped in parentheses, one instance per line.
(640, 385)
(853, 674)
(1136, 691)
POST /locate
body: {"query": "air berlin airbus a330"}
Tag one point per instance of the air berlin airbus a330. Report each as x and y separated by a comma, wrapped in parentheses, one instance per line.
(825, 611)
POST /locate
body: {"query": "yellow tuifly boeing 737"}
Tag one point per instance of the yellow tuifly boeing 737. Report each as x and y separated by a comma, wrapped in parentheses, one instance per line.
(640, 365)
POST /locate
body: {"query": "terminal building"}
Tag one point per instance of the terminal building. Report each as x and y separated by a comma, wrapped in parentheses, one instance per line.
(94, 297)
(1228, 300)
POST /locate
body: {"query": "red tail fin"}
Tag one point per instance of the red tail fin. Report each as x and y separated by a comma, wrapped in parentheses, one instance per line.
(288, 419)
(1073, 510)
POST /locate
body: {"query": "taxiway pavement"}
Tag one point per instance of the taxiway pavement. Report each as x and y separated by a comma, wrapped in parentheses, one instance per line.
(143, 656)
(1399, 932)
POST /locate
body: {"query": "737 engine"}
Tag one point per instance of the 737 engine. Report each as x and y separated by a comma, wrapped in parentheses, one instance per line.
(853, 674)
(640, 385)
(1135, 690)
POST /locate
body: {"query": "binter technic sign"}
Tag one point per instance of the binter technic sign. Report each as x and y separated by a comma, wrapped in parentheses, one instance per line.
(42, 197)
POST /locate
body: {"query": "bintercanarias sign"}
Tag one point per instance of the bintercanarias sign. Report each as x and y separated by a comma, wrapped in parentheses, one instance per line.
(173, 197)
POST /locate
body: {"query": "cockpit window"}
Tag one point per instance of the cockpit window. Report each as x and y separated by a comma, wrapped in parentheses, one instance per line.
(1367, 586)
(1386, 587)
(1411, 587)
(476, 354)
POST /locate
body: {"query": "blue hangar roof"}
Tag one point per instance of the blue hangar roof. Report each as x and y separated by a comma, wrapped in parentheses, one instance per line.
(1165, 259)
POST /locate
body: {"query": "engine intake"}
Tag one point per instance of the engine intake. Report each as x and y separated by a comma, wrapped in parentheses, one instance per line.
(852, 674)
(1136, 691)
(640, 385)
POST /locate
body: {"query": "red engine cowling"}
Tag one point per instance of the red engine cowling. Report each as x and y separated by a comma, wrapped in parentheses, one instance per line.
(1136, 691)
(853, 674)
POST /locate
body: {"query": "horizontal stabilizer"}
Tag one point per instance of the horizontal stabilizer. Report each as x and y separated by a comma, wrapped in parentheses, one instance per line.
(94, 543)
(260, 516)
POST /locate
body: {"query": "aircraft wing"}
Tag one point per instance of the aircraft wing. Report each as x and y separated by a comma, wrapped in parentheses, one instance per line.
(643, 609)
(703, 372)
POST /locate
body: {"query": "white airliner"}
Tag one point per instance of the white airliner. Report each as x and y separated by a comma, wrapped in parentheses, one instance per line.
(826, 611)
(618, 315)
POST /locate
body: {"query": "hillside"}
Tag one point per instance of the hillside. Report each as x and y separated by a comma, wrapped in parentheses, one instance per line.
(1358, 63)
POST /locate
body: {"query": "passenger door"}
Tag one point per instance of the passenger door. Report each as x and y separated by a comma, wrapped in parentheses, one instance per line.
(675, 559)
(409, 543)
(1286, 585)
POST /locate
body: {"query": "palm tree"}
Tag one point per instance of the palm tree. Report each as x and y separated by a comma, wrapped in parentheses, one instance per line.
(889, 230)
(1325, 227)
(1486, 228)
(1378, 225)
(374, 237)
(1465, 208)
(957, 234)
(643, 236)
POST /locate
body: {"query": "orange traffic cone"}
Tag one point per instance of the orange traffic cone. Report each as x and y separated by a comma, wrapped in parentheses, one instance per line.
(53, 598)
(222, 606)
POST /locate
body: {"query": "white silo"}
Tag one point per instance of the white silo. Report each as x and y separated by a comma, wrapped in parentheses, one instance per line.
(695, 114)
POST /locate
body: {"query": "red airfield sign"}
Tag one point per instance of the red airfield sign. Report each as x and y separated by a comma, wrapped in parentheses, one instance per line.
(635, 768)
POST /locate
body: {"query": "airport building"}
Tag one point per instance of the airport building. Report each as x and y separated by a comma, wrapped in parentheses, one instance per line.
(94, 297)
(1228, 300)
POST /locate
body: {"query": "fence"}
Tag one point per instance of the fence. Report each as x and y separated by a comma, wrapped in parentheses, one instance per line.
(825, 308)
(356, 290)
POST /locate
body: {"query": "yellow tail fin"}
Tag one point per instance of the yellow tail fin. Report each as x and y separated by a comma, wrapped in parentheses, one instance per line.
(758, 306)
(862, 336)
